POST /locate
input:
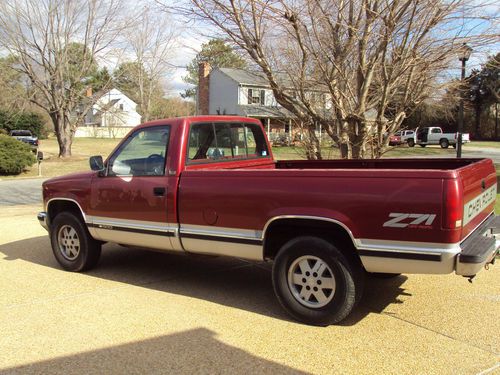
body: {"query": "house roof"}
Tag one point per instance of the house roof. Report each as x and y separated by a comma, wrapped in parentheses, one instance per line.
(258, 79)
(245, 77)
(259, 111)
(108, 105)
(253, 78)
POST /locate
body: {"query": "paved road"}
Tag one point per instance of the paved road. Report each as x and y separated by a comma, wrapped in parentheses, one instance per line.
(147, 313)
(21, 191)
(478, 152)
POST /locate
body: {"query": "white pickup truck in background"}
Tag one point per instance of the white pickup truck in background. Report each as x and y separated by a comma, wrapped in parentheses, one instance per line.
(435, 136)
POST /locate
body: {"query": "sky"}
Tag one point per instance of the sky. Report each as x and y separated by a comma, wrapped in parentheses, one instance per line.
(190, 45)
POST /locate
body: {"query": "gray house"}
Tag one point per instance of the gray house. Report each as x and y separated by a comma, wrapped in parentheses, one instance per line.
(226, 91)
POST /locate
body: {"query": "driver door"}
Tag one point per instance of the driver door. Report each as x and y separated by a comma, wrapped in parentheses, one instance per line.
(129, 202)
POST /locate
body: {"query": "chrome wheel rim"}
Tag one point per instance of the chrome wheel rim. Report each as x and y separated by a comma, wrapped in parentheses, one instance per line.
(311, 281)
(68, 242)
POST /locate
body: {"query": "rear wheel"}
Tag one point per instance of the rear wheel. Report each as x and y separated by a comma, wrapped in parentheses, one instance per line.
(72, 245)
(444, 143)
(422, 145)
(411, 142)
(314, 282)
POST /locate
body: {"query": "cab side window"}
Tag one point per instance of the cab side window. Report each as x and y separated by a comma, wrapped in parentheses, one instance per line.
(142, 154)
(210, 142)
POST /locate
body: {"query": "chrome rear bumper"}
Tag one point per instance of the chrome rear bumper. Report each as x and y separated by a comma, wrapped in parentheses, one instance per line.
(479, 249)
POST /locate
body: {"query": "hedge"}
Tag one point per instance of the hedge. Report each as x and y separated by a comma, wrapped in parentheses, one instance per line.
(22, 121)
(15, 156)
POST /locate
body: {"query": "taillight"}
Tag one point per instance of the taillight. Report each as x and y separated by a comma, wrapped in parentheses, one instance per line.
(452, 204)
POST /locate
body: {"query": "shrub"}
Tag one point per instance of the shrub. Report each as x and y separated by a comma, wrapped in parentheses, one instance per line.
(15, 156)
(23, 121)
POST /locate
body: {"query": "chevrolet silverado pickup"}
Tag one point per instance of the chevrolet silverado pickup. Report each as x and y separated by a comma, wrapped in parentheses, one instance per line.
(435, 136)
(209, 185)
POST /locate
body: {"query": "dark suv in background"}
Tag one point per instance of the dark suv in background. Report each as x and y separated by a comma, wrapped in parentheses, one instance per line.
(27, 137)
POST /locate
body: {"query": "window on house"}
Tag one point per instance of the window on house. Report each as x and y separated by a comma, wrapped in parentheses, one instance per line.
(256, 96)
(121, 106)
(209, 142)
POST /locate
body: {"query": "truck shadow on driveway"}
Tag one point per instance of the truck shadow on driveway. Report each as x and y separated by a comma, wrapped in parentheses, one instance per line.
(187, 352)
(226, 281)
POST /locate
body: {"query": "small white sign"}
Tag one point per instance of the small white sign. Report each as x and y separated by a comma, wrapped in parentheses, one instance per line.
(474, 207)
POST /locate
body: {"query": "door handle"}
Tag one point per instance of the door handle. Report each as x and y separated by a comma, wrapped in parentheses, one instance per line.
(159, 191)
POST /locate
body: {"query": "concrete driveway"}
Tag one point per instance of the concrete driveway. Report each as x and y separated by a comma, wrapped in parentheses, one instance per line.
(21, 191)
(142, 312)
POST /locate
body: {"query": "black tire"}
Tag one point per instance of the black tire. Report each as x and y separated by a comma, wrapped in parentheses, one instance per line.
(423, 145)
(73, 246)
(380, 275)
(411, 142)
(454, 145)
(333, 304)
(444, 143)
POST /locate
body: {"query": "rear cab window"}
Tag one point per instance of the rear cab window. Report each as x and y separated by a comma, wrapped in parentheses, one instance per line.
(221, 142)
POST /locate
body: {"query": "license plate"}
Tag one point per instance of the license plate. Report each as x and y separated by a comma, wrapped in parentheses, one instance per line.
(475, 206)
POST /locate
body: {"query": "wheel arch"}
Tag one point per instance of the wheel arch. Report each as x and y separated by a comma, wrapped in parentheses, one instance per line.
(58, 205)
(281, 229)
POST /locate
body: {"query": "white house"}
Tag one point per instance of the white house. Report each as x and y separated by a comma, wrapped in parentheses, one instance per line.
(227, 91)
(114, 108)
(113, 115)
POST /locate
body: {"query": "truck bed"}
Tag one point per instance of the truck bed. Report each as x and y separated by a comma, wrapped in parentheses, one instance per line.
(418, 164)
(363, 194)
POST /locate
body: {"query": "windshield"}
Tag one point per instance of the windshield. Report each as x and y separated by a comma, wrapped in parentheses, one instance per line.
(21, 133)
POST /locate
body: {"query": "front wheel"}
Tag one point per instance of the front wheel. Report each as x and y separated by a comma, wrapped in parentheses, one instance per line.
(411, 143)
(444, 143)
(314, 282)
(72, 244)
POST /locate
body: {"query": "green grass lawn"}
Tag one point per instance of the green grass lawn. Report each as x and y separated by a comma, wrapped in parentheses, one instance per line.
(488, 144)
(82, 149)
(290, 153)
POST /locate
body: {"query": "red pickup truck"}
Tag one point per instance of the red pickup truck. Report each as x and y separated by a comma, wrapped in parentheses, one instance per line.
(210, 185)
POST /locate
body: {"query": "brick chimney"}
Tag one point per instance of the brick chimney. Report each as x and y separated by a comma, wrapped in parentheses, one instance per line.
(203, 86)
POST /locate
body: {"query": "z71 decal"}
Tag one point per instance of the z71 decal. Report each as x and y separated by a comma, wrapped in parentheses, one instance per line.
(415, 221)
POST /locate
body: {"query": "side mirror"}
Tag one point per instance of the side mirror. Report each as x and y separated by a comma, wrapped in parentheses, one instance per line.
(96, 163)
(39, 156)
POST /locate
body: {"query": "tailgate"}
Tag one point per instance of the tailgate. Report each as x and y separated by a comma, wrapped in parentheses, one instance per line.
(479, 186)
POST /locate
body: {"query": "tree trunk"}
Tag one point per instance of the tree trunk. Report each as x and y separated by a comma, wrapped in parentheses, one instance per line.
(357, 135)
(63, 132)
(313, 146)
(344, 140)
(478, 121)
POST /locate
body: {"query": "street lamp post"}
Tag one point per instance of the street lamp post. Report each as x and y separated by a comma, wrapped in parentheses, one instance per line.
(463, 55)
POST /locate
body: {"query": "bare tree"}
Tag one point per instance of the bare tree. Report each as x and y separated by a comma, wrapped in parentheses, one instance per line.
(374, 60)
(56, 43)
(153, 41)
